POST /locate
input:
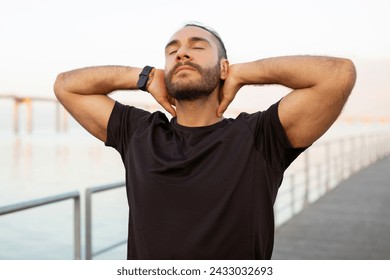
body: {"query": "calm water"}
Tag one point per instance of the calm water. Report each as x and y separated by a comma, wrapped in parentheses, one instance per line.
(45, 163)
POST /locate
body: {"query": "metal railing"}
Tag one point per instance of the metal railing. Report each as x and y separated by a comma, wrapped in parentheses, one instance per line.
(75, 195)
(325, 165)
(89, 254)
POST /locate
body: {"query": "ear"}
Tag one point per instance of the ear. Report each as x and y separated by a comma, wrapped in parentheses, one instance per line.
(224, 64)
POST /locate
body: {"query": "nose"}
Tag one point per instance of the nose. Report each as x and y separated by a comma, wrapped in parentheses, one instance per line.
(182, 55)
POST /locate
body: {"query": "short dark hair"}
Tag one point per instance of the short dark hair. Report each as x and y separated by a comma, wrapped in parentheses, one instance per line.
(222, 53)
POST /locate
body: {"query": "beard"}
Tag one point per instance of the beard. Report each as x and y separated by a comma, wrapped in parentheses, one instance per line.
(193, 90)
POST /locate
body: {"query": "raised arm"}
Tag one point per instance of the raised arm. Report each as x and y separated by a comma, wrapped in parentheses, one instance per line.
(321, 86)
(83, 92)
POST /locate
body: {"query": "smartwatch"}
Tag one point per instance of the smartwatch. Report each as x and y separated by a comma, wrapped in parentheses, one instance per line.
(144, 77)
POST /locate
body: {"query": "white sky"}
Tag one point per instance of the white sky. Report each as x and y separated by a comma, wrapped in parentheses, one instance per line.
(41, 38)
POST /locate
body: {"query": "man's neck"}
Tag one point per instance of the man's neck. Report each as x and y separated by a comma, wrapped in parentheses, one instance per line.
(202, 112)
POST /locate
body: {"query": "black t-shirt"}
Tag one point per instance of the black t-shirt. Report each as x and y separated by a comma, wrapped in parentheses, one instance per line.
(200, 192)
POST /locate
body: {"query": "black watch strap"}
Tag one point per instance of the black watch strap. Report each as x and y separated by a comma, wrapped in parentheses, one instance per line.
(144, 77)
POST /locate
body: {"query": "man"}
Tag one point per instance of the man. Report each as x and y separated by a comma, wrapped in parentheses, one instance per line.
(200, 186)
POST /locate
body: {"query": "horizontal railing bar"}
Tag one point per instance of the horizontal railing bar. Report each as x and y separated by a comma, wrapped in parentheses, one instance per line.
(106, 187)
(37, 202)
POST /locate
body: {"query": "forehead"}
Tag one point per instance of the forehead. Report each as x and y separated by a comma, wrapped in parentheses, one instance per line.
(184, 34)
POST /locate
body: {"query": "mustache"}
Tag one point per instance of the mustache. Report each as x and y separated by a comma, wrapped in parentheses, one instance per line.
(187, 63)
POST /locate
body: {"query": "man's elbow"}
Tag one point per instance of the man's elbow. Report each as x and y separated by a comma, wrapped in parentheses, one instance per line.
(58, 87)
(348, 74)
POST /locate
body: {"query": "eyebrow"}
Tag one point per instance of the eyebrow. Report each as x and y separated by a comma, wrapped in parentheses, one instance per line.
(191, 39)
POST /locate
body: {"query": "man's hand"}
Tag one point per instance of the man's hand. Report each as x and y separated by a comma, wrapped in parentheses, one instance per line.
(158, 90)
(229, 90)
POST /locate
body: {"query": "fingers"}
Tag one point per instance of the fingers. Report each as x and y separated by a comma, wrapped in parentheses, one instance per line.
(225, 102)
(171, 110)
(158, 90)
(227, 93)
(168, 107)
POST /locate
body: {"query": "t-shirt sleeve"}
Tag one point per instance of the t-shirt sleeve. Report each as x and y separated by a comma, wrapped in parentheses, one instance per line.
(271, 139)
(124, 120)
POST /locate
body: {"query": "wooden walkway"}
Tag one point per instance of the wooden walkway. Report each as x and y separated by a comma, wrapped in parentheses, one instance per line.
(351, 222)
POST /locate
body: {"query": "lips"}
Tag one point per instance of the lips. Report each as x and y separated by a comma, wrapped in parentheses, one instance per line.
(184, 67)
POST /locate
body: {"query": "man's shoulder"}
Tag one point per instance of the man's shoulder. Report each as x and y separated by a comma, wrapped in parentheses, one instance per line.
(252, 116)
(134, 118)
(138, 112)
(271, 111)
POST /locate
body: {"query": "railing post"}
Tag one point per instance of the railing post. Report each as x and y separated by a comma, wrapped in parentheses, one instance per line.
(368, 148)
(328, 165)
(307, 179)
(362, 151)
(292, 183)
(342, 156)
(374, 145)
(319, 181)
(378, 147)
(89, 254)
(77, 229)
(352, 155)
(88, 224)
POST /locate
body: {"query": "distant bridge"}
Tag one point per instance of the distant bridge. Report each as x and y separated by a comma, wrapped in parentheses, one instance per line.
(61, 115)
